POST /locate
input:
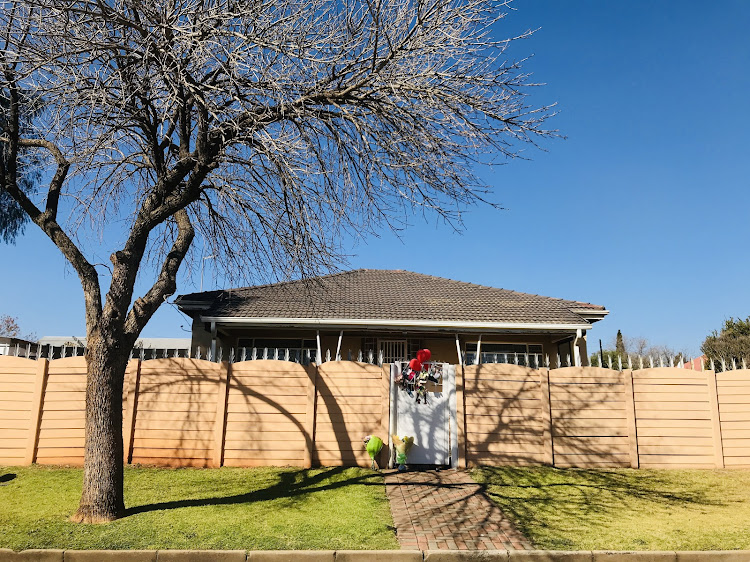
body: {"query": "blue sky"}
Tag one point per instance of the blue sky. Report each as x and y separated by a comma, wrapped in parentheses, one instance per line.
(643, 207)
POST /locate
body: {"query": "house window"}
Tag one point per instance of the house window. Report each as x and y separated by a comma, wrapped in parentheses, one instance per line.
(299, 350)
(516, 353)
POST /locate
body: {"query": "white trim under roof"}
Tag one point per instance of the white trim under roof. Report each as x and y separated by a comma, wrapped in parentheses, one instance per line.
(594, 314)
(365, 322)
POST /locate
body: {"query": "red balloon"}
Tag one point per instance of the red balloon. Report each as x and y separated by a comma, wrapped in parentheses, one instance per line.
(423, 355)
(415, 365)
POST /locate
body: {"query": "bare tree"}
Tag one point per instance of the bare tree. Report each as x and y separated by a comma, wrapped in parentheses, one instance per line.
(9, 326)
(270, 128)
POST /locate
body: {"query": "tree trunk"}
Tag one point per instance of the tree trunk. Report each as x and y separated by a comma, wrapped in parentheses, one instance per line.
(102, 499)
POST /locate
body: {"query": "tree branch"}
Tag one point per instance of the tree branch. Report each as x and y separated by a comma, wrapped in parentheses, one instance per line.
(166, 284)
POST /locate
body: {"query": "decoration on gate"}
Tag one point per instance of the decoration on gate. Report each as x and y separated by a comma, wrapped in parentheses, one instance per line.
(402, 446)
(417, 374)
(373, 445)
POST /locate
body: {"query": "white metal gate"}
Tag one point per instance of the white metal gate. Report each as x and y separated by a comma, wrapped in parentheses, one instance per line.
(433, 425)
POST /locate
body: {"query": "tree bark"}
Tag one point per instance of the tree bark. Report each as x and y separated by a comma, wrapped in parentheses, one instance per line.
(102, 499)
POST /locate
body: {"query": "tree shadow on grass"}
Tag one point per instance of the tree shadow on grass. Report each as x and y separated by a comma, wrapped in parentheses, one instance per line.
(292, 484)
(528, 495)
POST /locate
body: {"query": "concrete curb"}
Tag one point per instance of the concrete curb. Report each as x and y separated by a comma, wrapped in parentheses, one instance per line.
(370, 555)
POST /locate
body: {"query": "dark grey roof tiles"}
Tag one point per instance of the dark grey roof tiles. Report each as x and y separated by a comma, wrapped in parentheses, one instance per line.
(384, 294)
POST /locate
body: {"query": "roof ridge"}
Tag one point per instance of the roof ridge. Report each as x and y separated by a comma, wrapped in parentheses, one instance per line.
(491, 287)
(277, 283)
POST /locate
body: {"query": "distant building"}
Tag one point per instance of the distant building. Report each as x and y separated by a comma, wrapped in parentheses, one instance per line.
(18, 347)
(55, 347)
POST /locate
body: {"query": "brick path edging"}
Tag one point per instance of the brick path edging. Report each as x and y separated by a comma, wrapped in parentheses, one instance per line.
(370, 555)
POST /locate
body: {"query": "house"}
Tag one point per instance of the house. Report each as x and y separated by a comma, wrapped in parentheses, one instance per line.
(391, 314)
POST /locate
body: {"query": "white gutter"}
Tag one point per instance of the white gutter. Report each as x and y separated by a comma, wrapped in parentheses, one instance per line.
(448, 324)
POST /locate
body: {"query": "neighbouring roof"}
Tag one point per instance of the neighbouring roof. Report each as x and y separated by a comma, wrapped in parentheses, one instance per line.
(146, 343)
(377, 294)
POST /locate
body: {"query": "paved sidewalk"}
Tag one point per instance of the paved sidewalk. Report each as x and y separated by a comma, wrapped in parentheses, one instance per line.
(446, 509)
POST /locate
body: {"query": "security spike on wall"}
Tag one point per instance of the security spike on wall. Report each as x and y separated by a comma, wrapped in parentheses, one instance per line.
(559, 362)
(681, 364)
(734, 364)
(328, 355)
(39, 352)
(380, 358)
(619, 363)
(703, 366)
(318, 357)
(640, 361)
(359, 356)
(286, 354)
(723, 364)
(630, 362)
(198, 352)
(744, 365)
(231, 355)
(546, 360)
(265, 353)
(370, 357)
(130, 355)
(650, 362)
(254, 355)
(661, 361)
(63, 353)
(712, 364)
(143, 354)
(275, 353)
(515, 358)
(526, 359)
(243, 357)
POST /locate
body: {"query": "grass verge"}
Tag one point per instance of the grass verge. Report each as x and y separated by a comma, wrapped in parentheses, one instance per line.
(268, 508)
(621, 509)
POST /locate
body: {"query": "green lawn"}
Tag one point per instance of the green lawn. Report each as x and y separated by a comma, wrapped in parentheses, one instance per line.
(625, 509)
(227, 508)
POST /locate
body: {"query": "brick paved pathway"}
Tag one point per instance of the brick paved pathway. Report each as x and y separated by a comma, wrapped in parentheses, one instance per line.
(446, 509)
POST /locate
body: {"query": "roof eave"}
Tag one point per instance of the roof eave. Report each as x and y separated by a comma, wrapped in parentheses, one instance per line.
(591, 315)
(365, 323)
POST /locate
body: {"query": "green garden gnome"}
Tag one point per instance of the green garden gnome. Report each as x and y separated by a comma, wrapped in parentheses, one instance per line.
(373, 444)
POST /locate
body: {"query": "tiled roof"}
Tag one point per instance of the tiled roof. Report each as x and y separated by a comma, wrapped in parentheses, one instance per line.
(384, 295)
